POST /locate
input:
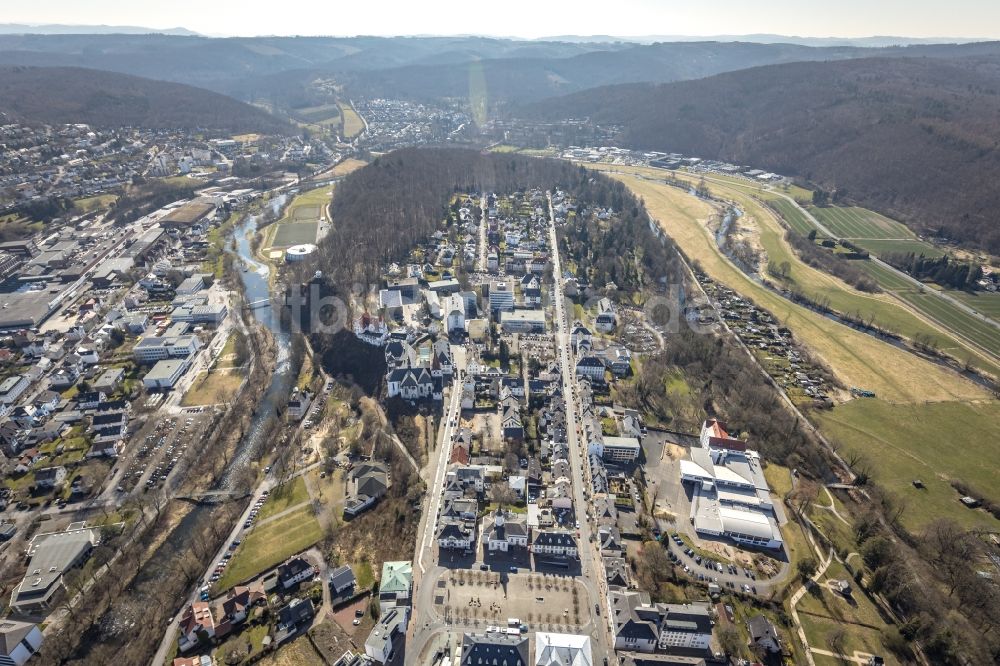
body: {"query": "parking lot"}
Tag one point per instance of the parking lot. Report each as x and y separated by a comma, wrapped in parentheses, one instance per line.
(159, 447)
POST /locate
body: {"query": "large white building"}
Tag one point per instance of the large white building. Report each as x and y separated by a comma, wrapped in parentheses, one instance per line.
(151, 350)
(523, 321)
(730, 495)
(18, 642)
(616, 449)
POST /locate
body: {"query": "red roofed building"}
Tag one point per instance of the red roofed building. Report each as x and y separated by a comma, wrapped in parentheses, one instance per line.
(714, 436)
(459, 454)
(196, 625)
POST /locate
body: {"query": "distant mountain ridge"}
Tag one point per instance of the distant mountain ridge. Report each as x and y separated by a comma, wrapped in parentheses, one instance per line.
(875, 41)
(55, 95)
(64, 29)
(527, 79)
(915, 138)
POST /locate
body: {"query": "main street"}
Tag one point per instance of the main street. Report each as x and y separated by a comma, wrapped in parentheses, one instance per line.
(424, 624)
(591, 565)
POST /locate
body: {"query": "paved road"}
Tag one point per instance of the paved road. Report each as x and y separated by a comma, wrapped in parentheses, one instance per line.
(424, 622)
(591, 565)
(481, 247)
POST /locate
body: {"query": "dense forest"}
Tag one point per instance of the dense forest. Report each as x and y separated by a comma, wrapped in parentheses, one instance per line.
(944, 271)
(55, 95)
(913, 138)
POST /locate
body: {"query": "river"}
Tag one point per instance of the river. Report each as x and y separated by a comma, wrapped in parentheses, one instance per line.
(117, 626)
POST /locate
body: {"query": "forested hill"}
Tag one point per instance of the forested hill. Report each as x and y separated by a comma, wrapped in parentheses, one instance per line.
(106, 99)
(915, 138)
(401, 198)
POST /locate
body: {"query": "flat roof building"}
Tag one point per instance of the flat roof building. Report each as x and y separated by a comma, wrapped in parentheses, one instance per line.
(523, 321)
(166, 373)
(51, 555)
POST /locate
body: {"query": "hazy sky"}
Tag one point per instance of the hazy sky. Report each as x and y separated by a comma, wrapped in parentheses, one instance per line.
(528, 18)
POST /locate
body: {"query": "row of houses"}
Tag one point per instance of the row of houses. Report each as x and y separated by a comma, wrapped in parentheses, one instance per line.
(209, 622)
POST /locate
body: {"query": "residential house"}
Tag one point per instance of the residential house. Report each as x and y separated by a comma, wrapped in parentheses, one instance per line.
(763, 634)
(368, 483)
(298, 404)
(90, 399)
(410, 383)
(12, 388)
(510, 420)
(610, 541)
(467, 477)
(342, 582)
(294, 571)
(616, 571)
(296, 615)
(49, 478)
(454, 535)
(197, 625)
(590, 367)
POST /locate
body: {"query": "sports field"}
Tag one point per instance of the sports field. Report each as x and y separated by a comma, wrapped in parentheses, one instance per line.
(306, 212)
(322, 113)
(294, 233)
(302, 219)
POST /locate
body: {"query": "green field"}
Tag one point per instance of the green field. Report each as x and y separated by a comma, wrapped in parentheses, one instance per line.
(857, 359)
(933, 442)
(988, 303)
(877, 308)
(793, 216)
(284, 497)
(270, 545)
(212, 388)
(99, 202)
(854, 222)
(882, 247)
(950, 315)
(880, 309)
(886, 278)
(294, 233)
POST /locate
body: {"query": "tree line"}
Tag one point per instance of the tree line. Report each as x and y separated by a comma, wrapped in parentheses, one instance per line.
(945, 271)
